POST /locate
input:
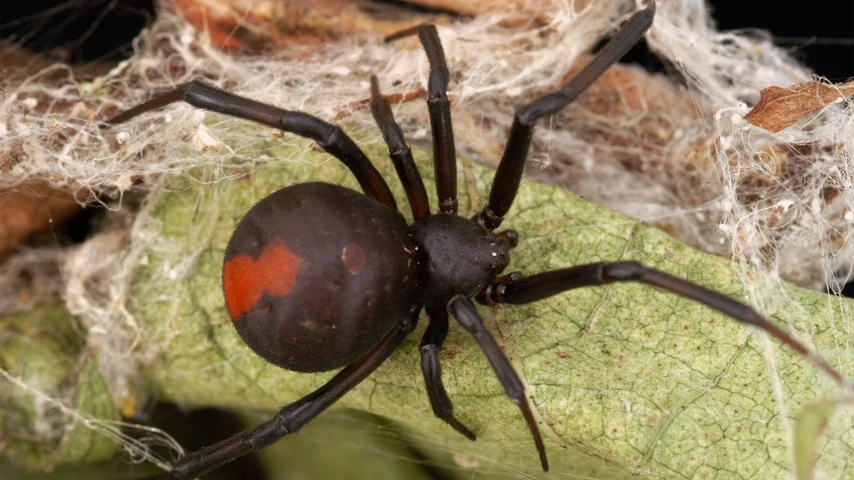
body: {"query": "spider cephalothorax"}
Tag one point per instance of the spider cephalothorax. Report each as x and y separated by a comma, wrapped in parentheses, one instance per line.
(318, 276)
(457, 256)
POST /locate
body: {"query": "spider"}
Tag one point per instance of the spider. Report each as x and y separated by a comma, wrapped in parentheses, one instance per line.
(308, 243)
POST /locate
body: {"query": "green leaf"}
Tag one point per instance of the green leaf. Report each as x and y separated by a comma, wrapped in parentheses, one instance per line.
(809, 430)
(49, 376)
(346, 444)
(625, 379)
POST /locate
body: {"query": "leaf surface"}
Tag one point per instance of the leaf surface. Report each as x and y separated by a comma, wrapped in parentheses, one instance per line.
(625, 379)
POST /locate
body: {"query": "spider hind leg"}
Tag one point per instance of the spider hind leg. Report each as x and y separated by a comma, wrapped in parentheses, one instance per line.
(330, 137)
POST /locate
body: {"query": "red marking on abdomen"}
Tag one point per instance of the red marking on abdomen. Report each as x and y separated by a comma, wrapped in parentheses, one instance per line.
(354, 258)
(245, 279)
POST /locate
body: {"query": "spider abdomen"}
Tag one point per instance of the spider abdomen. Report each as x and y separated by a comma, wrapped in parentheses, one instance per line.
(315, 275)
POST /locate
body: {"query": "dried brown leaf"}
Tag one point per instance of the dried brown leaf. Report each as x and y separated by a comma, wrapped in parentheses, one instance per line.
(781, 107)
(252, 26)
(31, 208)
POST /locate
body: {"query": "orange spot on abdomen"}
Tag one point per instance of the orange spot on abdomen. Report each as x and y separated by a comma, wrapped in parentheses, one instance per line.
(245, 279)
(354, 258)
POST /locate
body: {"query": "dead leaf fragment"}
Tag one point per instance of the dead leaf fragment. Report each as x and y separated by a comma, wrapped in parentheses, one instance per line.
(14, 156)
(781, 107)
(31, 208)
(256, 26)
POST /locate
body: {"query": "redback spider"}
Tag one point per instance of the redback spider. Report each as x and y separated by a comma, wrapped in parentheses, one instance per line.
(318, 277)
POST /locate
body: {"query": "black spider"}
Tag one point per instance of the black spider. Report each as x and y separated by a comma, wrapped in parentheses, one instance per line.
(319, 277)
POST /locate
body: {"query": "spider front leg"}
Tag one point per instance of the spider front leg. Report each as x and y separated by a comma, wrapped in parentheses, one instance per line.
(328, 136)
(512, 165)
(544, 285)
(294, 416)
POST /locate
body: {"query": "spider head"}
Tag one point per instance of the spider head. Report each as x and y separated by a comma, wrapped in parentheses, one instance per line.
(455, 256)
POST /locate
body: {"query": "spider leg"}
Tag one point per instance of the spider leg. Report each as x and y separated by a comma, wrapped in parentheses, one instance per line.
(512, 165)
(399, 152)
(328, 136)
(546, 284)
(294, 416)
(432, 341)
(444, 153)
(464, 311)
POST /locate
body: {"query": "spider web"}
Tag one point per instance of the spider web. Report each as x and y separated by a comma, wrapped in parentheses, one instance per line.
(699, 172)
